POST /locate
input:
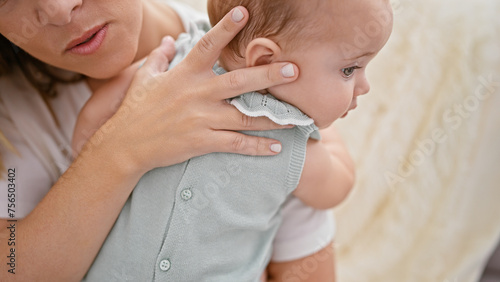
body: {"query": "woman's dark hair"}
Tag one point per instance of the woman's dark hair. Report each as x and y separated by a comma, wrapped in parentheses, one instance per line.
(40, 75)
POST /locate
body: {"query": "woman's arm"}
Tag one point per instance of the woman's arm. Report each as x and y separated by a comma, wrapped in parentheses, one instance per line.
(183, 115)
(328, 173)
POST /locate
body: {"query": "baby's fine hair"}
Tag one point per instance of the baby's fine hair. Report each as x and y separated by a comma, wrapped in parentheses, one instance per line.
(287, 22)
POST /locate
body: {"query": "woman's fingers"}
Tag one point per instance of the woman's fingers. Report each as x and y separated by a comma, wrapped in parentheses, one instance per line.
(206, 52)
(158, 61)
(244, 80)
(239, 143)
(231, 118)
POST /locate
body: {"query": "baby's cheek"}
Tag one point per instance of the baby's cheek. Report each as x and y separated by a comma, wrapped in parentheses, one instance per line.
(326, 116)
(342, 103)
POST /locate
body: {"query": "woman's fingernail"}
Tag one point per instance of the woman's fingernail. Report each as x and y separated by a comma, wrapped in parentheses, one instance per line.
(237, 15)
(276, 148)
(167, 38)
(288, 71)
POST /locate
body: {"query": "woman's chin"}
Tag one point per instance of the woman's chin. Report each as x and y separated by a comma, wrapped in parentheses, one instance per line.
(103, 72)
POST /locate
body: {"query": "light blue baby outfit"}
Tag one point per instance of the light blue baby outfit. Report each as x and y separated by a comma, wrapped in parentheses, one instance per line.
(211, 218)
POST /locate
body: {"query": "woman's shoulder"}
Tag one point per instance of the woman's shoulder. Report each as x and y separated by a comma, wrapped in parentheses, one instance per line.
(42, 146)
(23, 176)
(41, 121)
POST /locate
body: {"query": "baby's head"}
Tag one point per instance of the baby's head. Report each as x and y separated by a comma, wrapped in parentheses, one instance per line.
(331, 41)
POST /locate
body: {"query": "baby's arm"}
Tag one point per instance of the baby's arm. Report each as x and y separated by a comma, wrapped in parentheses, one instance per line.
(298, 270)
(103, 103)
(328, 173)
(327, 178)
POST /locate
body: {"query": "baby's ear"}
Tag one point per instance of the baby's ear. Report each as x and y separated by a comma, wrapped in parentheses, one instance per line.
(261, 51)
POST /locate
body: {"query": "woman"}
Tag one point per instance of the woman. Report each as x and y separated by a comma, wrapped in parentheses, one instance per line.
(181, 116)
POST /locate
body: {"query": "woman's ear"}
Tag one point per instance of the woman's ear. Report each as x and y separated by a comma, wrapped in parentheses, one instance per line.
(261, 51)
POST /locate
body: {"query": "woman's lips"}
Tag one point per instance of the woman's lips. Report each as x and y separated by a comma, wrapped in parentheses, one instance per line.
(89, 42)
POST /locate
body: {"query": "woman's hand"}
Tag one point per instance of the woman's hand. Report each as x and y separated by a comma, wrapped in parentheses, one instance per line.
(169, 117)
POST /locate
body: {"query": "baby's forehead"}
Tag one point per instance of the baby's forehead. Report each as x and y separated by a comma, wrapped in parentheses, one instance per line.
(356, 27)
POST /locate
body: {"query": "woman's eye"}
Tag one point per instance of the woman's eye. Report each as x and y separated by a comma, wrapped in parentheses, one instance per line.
(348, 72)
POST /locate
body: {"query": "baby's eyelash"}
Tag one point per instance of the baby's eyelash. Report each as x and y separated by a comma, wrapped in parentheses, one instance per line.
(348, 72)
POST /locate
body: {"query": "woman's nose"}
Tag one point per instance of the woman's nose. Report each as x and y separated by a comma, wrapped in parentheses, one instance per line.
(57, 12)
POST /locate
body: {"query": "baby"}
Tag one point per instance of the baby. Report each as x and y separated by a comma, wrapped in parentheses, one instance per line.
(214, 217)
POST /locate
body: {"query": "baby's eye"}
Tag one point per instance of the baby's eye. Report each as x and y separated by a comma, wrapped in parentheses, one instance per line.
(348, 72)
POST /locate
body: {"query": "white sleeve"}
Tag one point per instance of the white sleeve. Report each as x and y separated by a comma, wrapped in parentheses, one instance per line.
(303, 232)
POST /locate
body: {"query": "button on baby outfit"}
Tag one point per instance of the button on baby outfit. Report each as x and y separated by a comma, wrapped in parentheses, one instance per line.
(165, 265)
(186, 194)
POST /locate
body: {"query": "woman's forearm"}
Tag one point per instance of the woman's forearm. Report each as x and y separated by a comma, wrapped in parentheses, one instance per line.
(60, 238)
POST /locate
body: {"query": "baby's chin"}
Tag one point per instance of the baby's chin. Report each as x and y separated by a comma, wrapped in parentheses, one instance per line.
(324, 124)
(345, 114)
